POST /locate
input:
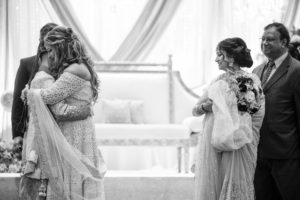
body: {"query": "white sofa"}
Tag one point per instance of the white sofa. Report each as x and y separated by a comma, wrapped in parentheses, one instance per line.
(145, 107)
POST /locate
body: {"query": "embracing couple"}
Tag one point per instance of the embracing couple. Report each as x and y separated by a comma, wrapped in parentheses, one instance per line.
(249, 147)
(60, 155)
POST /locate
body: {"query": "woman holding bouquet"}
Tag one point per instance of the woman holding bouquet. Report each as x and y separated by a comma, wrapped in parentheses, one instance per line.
(233, 105)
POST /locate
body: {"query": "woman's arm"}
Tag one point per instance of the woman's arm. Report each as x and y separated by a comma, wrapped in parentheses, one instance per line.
(64, 112)
(71, 81)
(203, 105)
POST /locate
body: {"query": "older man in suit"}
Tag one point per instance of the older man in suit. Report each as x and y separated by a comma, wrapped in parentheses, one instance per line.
(277, 175)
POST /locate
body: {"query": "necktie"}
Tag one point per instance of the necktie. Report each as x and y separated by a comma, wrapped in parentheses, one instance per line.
(267, 72)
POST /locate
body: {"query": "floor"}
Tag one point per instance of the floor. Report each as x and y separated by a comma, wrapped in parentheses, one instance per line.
(126, 185)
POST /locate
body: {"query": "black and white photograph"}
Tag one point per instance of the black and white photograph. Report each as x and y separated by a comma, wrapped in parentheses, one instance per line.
(150, 99)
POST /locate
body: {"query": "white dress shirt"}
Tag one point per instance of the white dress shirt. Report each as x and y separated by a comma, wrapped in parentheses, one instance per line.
(277, 62)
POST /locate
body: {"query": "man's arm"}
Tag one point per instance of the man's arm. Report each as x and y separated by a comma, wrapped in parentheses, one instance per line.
(19, 109)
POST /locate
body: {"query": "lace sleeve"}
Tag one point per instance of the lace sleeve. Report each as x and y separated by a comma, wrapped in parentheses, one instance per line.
(63, 87)
(65, 112)
(232, 129)
(46, 80)
(61, 110)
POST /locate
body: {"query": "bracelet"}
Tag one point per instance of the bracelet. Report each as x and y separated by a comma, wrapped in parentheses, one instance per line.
(198, 110)
(202, 107)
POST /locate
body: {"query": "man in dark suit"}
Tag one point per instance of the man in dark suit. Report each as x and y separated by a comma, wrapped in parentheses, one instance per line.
(26, 72)
(277, 175)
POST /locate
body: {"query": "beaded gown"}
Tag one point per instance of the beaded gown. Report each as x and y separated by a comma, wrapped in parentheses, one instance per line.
(74, 92)
(226, 161)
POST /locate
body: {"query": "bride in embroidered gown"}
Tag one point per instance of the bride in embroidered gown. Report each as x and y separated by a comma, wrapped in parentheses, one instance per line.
(68, 156)
(233, 105)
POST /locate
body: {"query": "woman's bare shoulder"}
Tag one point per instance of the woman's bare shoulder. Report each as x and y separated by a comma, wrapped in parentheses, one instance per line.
(79, 70)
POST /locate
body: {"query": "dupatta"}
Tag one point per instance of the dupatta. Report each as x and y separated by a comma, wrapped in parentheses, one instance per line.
(58, 157)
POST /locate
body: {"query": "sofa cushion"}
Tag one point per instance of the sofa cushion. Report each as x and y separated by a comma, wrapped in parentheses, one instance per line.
(119, 111)
(113, 111)
(150, 88)
(142, 131)
(137, 111)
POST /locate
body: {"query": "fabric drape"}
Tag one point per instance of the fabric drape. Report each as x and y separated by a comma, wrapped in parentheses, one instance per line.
(148, 29)
(66, 14)
(231, 130)
(57, 157)
(291, 14)
(227, 146)
(5, 56)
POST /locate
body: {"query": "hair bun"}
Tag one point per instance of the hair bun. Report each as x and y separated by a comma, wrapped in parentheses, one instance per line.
(69, 30)
(74, 37)
(237, 49)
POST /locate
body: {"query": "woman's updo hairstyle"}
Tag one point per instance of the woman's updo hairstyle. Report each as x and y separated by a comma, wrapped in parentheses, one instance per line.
(237, 49)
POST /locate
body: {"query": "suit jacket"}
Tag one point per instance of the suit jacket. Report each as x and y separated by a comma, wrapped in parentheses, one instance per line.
(19, 114)
(279, 134)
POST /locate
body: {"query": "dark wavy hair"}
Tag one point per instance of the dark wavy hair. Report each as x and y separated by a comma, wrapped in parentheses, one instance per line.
(237, 49)
(294, 50)
(41, 48)
(69, 49)
(43, 32)
(282, 30)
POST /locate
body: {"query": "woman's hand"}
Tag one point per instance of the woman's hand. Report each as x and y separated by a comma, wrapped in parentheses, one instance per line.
(24, 93)
(207, 106)
(203, 108)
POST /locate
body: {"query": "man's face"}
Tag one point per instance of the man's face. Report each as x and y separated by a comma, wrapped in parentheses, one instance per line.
(42, 48)
(271, 44)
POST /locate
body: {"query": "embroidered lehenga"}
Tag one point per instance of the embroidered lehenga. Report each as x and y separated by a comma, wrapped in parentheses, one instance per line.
(62, 155)
(227, 146)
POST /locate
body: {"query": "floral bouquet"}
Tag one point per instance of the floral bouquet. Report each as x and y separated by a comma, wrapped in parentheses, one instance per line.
(10, 157)
(247, 94)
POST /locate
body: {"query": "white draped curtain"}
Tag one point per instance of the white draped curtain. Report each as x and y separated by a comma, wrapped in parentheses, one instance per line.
(65, 13)
(147, 30)
(198, 26)
(4, 61)
(292, 14)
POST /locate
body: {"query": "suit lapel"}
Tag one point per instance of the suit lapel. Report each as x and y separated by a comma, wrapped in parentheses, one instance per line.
(260, 70)
(282, 69)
